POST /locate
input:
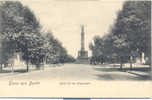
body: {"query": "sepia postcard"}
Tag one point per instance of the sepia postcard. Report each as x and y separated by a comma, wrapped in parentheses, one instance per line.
(75, 49)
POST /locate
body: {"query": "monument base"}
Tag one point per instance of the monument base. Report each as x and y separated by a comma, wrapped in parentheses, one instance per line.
(82, 61)
(82, 57)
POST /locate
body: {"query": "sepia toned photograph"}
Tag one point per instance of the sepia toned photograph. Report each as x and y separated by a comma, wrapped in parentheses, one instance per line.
(75, 48)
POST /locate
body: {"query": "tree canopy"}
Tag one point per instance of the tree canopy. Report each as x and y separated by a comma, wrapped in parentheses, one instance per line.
(130, 35)
(22, 32)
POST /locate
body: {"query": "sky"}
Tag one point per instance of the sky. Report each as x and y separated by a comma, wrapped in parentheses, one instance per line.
(64, 19)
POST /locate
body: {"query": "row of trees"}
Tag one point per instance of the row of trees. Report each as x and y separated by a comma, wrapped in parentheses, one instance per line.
(20, 31)
(129, 37)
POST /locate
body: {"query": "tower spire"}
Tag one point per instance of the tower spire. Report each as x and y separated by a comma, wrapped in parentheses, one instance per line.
(82, 54)
(82, 38)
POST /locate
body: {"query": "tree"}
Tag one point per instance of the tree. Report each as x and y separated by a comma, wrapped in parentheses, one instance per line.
(133, 24)
(69, 59)
(51, 56)
(55, 52)
(32, 48)
(102, 49)
(7, 43)
(129, 35)
(21, 28)
(6, 52)
(21, 32)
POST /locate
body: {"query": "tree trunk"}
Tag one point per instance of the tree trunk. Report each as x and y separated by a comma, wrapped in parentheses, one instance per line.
(121, 65)
(149, 61)
(27, 63)
(1, 68)
(130, 65)
(130, 62)
(12, 68)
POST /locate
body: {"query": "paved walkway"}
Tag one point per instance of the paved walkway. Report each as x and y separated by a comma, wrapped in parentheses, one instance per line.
(75, 80)
(79, 72)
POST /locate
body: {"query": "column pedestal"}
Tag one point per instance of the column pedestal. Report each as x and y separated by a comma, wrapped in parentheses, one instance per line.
(82, 57)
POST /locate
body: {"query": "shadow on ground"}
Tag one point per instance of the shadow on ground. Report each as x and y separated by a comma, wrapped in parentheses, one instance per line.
(16, 71)
(127, 74)
(117, 77)
(140, 69)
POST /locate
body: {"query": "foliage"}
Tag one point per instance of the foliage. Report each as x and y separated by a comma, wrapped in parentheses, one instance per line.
(21, 32)
(133, 26)
(56, 53)
(130, 35)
